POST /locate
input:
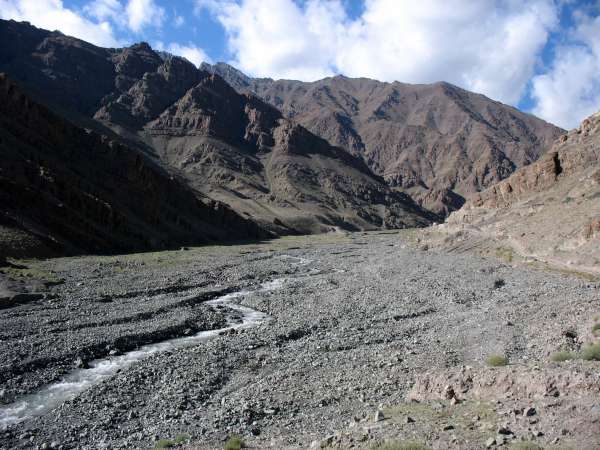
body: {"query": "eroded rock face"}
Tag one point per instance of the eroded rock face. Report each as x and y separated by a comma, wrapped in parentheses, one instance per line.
(424, 139)
(572, 153)
(548, 210)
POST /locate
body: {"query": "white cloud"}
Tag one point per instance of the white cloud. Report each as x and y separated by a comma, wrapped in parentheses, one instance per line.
(105, 10)
(53, 15)
(570, 90)
(192, 53)
(142, 13)
(136, 15)
(490, 46)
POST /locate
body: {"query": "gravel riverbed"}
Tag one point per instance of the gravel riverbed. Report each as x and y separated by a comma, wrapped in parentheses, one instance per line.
(354, 319)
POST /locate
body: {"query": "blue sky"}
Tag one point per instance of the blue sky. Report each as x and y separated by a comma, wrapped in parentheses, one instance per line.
(542, 56)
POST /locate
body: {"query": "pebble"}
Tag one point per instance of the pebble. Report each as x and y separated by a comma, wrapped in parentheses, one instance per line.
(379, 416)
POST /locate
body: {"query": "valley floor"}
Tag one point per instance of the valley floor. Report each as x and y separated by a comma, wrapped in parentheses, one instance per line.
(359, 323)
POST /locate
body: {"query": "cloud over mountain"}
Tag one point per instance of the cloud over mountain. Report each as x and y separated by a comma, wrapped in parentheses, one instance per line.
(541, 55)
(487, 46)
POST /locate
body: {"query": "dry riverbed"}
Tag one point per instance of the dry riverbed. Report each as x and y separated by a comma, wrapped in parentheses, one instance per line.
(369, 338)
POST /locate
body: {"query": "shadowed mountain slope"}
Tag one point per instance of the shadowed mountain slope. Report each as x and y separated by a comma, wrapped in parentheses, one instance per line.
(234, 148)
(67, 190)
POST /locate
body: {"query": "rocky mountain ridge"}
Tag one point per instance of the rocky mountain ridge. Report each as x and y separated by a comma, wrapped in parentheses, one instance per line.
(234, 148)
(437, 142)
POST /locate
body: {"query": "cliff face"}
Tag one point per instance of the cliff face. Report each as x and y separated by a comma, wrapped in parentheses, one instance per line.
(573, 153)
(549, 210)
(68, 190)
(437, 142)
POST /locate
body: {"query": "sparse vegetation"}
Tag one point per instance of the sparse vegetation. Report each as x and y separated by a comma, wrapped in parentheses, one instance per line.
(234, 443)
(22, 270)
(505, 253)
(591, 352)
(596, 329)
(525, 446)
(181, 438)
(397, 445)
(561, 356)
(497, 361)
(168, 443)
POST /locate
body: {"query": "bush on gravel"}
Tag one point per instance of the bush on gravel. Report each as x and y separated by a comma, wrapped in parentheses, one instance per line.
(167, 443)
(562, 356)
(596, 329)
(497, 361)
(397, 445)
(591, 352)
(234, 443)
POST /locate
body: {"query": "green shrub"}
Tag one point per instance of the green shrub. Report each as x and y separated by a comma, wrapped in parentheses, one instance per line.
(505, 253)
(591, 352)
(562, 356)
(596, 329)
(234, 443)
(497, 361)
(167, 443)
(397, 445)
(181, 438)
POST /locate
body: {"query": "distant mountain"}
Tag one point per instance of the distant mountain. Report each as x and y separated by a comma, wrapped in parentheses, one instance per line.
(437, 142)
(231, 147)
(66, 190)
(549, 210)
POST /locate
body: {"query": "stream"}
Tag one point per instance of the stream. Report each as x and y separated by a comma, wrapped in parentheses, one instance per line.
(73, 384)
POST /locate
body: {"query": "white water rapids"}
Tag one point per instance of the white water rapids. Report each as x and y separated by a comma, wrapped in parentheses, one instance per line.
(53, 395)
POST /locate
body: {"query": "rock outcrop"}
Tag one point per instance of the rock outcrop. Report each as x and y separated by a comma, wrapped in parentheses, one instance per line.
(549, 210)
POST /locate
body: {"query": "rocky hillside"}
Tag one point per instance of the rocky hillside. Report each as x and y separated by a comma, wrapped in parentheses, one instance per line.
(64, 189)
(232, 147)
(437, 142)
(549, 211)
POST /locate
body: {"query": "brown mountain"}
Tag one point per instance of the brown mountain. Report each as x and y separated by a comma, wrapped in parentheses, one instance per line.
(68, 190)
(437, 142)
(232, 147)
(547, 211)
